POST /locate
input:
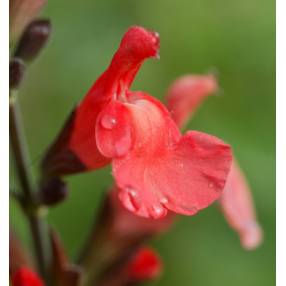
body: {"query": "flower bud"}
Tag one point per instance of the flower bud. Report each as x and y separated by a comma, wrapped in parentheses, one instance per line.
(21, 14)
(25, 276)
(140, 265)
(53, 191)
(33, 39)
(144, 265)
(16, 72)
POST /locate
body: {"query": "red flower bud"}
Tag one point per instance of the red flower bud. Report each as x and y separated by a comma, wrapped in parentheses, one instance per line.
(144, 265)
(26, 277)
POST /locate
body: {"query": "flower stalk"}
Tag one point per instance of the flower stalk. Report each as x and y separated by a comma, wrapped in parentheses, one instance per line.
(30, 206)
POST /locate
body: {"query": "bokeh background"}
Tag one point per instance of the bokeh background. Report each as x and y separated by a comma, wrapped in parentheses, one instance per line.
(236, 37)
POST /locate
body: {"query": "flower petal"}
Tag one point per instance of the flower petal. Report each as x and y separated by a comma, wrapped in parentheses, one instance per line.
(239, 210)
(166, 171)
(113, 130)
(196, 172)
(183, 97)
(137, 45)
(186, 94)
(126, 225)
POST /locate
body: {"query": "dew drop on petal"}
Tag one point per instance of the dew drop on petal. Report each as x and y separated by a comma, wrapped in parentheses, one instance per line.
(130, 199)
(164, 201)
(158, 212)
(108, 121)
(156, 38)
(156, 34)
(211, 185)
(132, 191)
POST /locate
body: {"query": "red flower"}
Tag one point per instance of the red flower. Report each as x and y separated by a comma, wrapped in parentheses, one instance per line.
(24, 276)
(184, 96)
(156, 168)
(145, 265)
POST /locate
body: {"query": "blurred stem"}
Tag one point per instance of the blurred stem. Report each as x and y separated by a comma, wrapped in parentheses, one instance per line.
(20, 152)
(92, 257)
(104, 252)
(100, 249)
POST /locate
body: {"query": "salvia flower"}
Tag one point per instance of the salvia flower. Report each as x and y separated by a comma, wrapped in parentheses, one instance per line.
(24, 276)
(155, 167)
(183, 98)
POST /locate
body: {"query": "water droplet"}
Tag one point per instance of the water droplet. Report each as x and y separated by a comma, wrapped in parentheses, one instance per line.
(155, 38)
(131, 199)
(158, 212)
(211, 185)
(164, 201)
(181, 165)
(132, 191)
(108, 121)
(156, 34)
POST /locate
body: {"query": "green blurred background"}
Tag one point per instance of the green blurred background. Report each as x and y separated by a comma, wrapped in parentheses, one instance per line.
(236, 37)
